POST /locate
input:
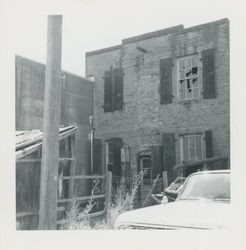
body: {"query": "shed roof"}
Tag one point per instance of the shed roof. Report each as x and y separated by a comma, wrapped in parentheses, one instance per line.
(30, 140)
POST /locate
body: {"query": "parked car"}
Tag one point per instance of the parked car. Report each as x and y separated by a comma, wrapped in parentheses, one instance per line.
(174, 188)
(203, 203)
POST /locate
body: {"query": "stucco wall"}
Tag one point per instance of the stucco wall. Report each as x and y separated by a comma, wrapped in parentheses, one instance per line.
(76, 105)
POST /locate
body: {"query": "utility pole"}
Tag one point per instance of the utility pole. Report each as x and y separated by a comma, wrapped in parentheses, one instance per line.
(52, 107)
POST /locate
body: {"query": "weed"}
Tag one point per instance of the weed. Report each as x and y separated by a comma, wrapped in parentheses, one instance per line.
(122, 201)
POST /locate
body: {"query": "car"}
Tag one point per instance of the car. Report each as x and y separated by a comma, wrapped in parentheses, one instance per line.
(202, 203)
(174, 188)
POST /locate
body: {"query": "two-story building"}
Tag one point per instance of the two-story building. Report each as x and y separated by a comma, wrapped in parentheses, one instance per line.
(163, 99)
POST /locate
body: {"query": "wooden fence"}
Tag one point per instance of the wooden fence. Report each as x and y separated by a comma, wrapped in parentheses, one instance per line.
(28, 166)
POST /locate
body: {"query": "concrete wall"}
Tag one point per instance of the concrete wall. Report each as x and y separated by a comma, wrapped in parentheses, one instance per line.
(76, 105)
(143, 119)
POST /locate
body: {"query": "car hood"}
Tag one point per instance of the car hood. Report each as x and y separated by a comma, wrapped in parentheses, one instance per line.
(195, 214)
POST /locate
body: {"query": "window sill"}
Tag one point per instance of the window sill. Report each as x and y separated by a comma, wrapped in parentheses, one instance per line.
(189, 101)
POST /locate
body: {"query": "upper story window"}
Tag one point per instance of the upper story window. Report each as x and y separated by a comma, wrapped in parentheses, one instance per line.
(113, 90)
(195, 79)
(188, 78)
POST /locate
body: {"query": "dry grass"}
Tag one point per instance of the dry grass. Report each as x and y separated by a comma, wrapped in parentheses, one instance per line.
(122, 201)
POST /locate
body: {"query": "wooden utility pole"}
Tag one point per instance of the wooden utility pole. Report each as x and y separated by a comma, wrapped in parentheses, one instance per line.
(108, 194)
(52, 102)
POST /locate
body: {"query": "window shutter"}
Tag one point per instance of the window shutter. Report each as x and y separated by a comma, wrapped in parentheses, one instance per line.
(166, 80)
(208, 62)
(110, 155)
(157, 160)
(97, 156)
(118, 85)
(108, 91)
(209, 144)
(116, 169)
(169, 155)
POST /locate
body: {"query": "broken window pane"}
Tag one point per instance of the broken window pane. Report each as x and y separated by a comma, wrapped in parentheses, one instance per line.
(188, 76)
(194, 70)
(188, 84)
(189, 94)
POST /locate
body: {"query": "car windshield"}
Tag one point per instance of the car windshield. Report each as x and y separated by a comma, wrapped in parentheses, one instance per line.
(210, 186)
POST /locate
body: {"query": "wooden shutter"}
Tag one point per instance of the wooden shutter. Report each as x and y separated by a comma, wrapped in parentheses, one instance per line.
(166, 80)
(209, 90)
(108, 92)
(117, 144)
(209, 144)
(157, 159)
(97, 156)
(118, 89)
(169, 155)
(110, 155)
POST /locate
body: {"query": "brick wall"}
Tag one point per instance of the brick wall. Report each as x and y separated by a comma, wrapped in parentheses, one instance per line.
(143, 119)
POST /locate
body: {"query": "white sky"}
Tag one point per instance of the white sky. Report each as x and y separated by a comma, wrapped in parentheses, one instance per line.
(94, 24)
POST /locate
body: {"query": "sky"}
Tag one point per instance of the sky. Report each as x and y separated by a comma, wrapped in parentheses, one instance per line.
(93, 24)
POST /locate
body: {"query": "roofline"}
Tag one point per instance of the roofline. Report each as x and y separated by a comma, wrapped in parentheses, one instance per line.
(179, 29)
(29, 60)
(18, 57)
(99, 51)
(156, 33)
(133, 39)
(200, 26)
(33, 146)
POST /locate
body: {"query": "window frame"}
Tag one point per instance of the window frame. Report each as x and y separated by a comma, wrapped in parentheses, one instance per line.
(201, 135)
(149, 159)
(198, 77)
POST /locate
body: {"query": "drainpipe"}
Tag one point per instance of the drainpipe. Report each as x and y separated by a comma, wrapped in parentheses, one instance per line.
(92, 141)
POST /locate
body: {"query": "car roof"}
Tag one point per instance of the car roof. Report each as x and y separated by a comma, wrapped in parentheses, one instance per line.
(225, 171)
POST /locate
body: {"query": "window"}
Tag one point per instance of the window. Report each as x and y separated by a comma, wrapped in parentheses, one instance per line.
(188, 78)
(113, 156)
(146, 168)
(191, 148)
(113, 90)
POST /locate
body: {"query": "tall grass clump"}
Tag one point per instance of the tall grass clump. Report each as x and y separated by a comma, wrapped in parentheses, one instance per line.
(75, 218)
(121, 201)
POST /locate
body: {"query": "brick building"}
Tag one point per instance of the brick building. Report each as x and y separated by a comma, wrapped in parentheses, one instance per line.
(162, 98)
